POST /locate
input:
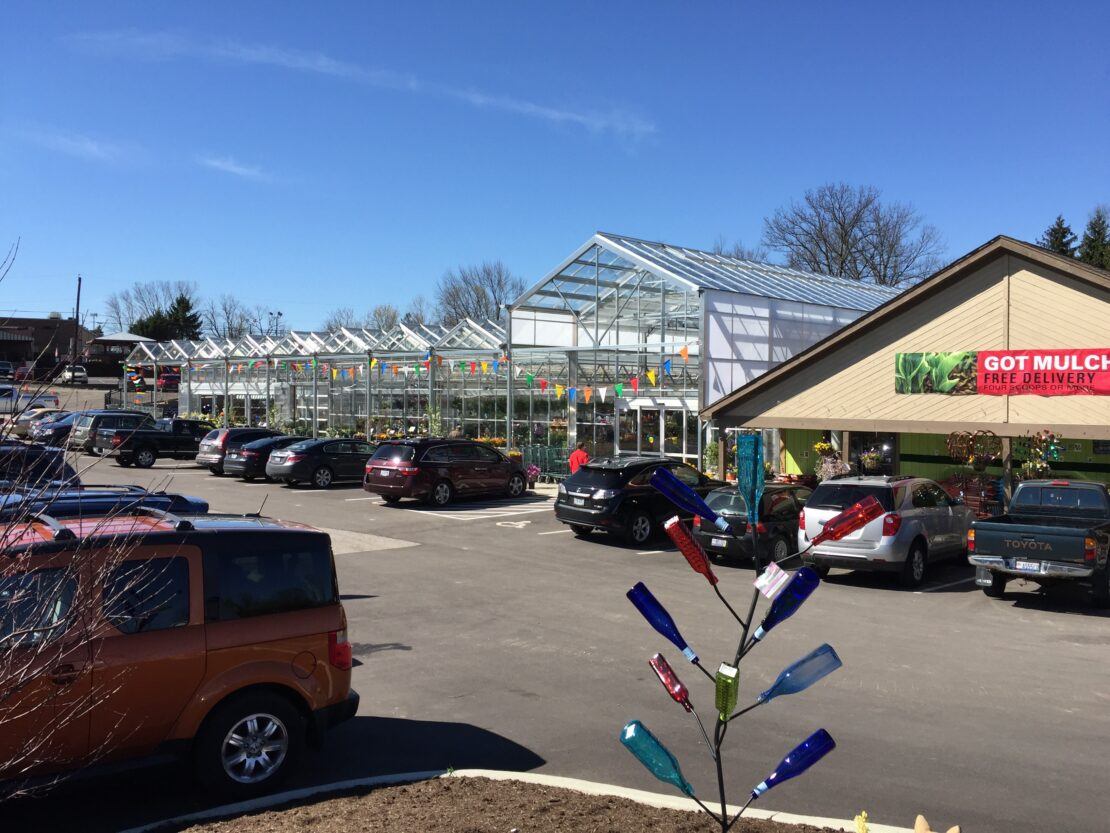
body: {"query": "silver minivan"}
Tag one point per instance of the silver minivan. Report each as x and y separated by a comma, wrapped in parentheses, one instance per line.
(920, 525)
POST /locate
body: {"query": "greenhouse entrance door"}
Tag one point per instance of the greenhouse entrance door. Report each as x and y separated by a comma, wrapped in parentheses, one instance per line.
(650, 420)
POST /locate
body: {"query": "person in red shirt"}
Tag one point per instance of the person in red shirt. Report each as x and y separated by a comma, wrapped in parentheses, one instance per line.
(578, 457)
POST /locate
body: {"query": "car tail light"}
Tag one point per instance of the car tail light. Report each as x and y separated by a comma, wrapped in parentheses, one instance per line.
(802, 520)
(221, 441)
(697, 521)
(760, 528)
(339, 650)
(251, 454)
(1060, 483)
(891, 524)
(1090, 549)
(971, 540)
(408, 471)
(117, 440)
(294, 458)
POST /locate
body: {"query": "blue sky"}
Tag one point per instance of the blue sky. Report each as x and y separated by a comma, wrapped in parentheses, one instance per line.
(347, 154)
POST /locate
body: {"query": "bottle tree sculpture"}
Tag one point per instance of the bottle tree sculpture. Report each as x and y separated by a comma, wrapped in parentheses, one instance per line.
(788, 592)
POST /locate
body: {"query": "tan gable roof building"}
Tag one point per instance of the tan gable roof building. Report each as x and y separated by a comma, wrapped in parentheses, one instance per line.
(1004, 296)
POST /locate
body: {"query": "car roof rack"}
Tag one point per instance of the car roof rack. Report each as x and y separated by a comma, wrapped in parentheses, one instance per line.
(178, 523)
(895, 477)
(58, 530)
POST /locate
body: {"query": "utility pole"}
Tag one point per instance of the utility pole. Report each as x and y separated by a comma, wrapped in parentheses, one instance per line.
(76, 325)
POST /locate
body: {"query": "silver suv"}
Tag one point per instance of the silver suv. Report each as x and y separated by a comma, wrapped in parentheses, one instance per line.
(920, 524)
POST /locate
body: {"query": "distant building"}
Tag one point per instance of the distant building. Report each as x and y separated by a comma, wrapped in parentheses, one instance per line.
(46, 341)
(105, 354)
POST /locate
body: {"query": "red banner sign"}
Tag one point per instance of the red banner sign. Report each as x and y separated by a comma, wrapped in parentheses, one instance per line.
(1043, 372)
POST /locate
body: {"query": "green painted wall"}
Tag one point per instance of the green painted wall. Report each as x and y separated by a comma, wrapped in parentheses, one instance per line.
(798, 447)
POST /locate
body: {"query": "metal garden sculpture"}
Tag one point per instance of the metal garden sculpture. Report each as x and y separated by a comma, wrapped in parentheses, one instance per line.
(787, 593)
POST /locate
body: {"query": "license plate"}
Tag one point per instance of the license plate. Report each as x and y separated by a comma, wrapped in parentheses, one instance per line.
(384, 472)
(718, 542)
(1027, 566)
(579, 501)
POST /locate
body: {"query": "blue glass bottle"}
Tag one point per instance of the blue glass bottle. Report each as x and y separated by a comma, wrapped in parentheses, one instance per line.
(802, 674)
(653, 755)
(658, 618)
(686, 498)
(796, 591)
(801, 758)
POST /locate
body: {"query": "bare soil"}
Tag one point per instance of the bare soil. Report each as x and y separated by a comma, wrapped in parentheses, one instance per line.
(479, 805)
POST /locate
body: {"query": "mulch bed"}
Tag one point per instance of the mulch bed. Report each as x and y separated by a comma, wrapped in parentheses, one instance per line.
(479, 805)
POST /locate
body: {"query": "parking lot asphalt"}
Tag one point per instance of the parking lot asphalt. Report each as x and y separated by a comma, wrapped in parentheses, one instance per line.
(486, 635)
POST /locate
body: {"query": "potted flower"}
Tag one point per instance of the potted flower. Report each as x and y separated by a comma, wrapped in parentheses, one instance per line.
(532, 473)
(870, 460)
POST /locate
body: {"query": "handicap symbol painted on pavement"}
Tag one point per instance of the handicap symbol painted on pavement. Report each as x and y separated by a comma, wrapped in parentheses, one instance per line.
(514, 524)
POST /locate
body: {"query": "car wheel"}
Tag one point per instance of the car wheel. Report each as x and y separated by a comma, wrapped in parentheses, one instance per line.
(639, 528)
(516, 486)
(249, 744)
(780, 550)
(442, 493)
(217, 470)
(322, 477)
(997, 587)
(1100, 593)
(144, 458)
(913, 570)
(391, 498)
(248, 477)
(580, 530)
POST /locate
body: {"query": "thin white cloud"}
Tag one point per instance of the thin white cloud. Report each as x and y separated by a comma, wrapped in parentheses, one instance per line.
(229, 165)
(79, 145)
(170, 46)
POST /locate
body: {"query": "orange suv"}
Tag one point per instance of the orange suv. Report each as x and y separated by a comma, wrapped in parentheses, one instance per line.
(221, 638)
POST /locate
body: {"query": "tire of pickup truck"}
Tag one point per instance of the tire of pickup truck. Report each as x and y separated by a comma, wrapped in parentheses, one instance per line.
(144, 458)
(997, 588)
(1100, 593)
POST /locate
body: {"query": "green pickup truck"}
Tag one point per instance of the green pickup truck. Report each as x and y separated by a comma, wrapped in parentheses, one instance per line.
(1053, 531)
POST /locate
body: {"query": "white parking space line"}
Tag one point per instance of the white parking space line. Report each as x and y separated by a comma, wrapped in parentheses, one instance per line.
(555, 532)
(651, 552)
(353, 499)
(944, 586)
(474, 514)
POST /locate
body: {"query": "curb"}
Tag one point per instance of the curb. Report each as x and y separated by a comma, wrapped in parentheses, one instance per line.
(668, 802)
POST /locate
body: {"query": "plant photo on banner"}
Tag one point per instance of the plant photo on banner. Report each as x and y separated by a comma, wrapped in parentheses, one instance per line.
(950, 373)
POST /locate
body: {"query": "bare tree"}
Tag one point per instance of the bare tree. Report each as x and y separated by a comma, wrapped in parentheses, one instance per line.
(142, 299)
(848, 232)
(738, 250)
(383, 317)
(337, 318)
(419, 312)
(476, 292)
(226, 317)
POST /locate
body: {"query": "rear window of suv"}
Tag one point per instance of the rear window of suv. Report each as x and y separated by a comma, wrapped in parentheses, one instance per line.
(274, 574)
(840, 496)
(396, 453)
(597, 478)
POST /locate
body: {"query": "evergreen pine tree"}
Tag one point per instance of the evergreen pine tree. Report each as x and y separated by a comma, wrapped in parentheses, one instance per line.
(1058, 238)
(1094, 248)
(184, 321)
(155, 326)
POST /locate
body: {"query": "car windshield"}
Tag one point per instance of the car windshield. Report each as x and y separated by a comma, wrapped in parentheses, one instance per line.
(840, 496)
(303, 445)
(395, 453)
(1058, 499)
(598, 478)
(727, 503)
(67, 419)
(83, 421)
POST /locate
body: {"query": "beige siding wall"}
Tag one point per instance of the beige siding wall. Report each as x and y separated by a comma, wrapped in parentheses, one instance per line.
(1049, 310)
(853, 386)
(856, 381)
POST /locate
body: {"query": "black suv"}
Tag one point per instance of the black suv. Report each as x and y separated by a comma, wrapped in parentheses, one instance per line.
(615, 494)
(33, 466)
(776, 530)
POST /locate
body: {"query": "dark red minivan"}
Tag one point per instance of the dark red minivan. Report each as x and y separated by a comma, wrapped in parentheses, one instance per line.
(438, 470)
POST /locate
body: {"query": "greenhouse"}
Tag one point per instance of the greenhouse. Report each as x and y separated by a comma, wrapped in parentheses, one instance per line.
(620, 346)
